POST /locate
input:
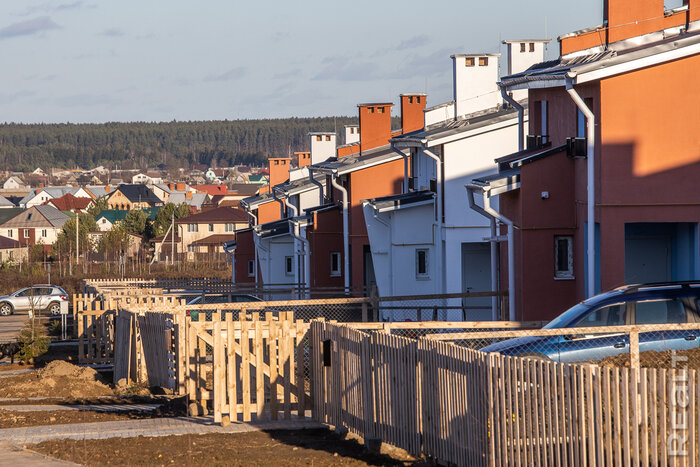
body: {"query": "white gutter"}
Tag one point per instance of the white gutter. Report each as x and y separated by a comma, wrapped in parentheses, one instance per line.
(486, 192)
(405, 166)
(318, 184)
(346, 233)
(521, 117)
(285, 199)
(494, 253)
(438, 218)
(304, 252)
(590, 154)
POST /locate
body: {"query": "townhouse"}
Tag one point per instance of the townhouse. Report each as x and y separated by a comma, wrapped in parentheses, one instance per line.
(423, 240)
(605, 195)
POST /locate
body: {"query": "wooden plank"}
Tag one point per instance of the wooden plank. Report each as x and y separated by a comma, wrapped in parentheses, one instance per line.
(626, 421)
(259, 377)
(608, 412)
(286, 344)
(274, 359)
(232, 376)
(300, 379)
(219, 376)
(245, 368)
(653, 410)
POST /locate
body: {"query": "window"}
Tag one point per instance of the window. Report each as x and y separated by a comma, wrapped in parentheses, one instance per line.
(410, 99)
(563, 257)
(543, 121)
(318, 138)
(370, 110)
(26, 233)
(380, 110)
(251, 268)
(417, 99)
(288, 265)
(192, 248)
(43, 233)
(193, 227)
(532, 46)
(422, 264)
(9, 233)
(522, 47)
(335, 264)
(230, 227)
(104, 221)
(469, 61)
(483, 61)
(660, 312)
(328, 137)
(211, 227)
(610, 315)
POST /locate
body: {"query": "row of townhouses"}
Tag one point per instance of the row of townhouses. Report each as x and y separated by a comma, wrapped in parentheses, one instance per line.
(559, 179)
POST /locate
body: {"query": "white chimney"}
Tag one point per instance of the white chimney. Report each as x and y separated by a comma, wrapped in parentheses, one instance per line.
(522, 54)
(352, 134)
(475, 78)
(322, 146)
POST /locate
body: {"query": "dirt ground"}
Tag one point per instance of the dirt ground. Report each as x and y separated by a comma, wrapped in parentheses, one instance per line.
(58, 379)
(656, 360)
(15, 419)
(318, 447)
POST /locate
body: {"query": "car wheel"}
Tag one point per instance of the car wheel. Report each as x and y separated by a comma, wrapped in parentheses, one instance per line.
(55, 309)
(6, 309)
(535, 356)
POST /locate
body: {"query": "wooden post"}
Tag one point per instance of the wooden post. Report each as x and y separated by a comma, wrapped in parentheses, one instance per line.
(634, 349)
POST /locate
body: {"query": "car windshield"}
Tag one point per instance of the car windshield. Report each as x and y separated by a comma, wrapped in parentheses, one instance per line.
(570, 315)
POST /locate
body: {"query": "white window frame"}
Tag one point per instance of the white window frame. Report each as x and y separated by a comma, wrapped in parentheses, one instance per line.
(567, 273)
(251, 268)
(211, 227)
(193, 228)
(44, 234)
(289, 265)
(230, 227)
(192, 248)
(335, 272)
(26, 233)
(423, 275)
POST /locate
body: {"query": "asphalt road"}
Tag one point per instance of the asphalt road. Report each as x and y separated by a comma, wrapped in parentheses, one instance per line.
(11, 325)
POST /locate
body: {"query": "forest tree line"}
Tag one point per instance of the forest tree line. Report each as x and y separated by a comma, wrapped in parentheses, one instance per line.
(139, 145)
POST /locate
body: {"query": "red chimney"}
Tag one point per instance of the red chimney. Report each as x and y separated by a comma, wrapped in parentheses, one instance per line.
(188, 195)
(412, 107)
(108, 188)
(171, 186)
(180, 187)
(304, 158)
(279, 170)
(375, 125)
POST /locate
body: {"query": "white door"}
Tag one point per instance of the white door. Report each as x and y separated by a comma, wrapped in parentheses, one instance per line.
(476, 277)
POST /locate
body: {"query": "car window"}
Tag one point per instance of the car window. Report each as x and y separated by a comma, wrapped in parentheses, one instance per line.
(611, 315)
(660, 312)
(45, 291)
(216, 299)
(23, 293)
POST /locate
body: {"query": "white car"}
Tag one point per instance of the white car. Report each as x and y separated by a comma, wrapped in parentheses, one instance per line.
(35, 298)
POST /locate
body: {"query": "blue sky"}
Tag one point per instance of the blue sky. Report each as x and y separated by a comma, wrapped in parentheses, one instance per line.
(159, 60)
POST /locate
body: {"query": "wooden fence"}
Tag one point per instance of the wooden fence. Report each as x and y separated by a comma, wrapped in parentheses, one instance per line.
(464, 407)
(249, 367)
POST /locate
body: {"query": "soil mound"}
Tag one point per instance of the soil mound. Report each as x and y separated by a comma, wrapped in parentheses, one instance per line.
(58, 379)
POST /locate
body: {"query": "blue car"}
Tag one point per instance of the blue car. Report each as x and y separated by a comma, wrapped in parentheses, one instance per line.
(633, 304)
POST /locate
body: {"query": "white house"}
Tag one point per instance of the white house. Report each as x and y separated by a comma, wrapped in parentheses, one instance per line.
(144, 179)
(14, 183)
(427, 240)
(39, 196)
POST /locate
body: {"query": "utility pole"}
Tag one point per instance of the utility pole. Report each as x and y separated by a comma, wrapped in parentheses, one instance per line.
(172, 240)
(77, 229)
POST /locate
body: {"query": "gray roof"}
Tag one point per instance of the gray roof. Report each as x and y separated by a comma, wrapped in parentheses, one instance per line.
(38, 216)
(616, 54)
(53, 191)
(4, 202)
(197, 199)
(98, 191)
(472, 121)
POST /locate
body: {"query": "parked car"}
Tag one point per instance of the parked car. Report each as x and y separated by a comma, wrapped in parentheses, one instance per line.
(37, 297)
(218, 298)
(660, 303)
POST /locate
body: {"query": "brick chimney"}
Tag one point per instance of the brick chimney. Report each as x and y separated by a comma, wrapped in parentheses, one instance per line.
(279, 170)
(475, 78)
(375, 125)
(323, 145)
(108, 188)
(171, 186)
(188, 195)
(412, 107)
(180, 187)
(304, 158)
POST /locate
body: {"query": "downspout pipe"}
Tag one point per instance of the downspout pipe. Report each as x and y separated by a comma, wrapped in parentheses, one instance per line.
(438, 218)
(318, 184)
(486, 193)
(248, 209)
(346, 233)
(590, 153)
(375, 214)
(494, 253)
(304, 253)
(274, 196)
(521, 116)
(405, 166)
(285, 199)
